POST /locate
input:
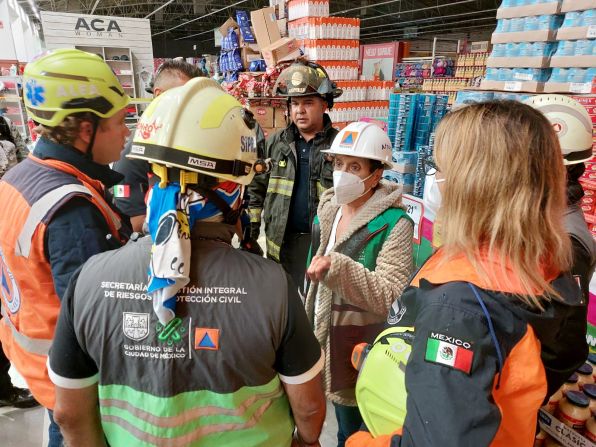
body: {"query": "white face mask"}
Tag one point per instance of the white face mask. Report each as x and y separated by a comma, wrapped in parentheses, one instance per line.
(348, 187)
(432, 193)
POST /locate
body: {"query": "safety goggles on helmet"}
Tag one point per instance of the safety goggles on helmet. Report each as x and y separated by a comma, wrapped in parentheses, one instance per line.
(63, 82)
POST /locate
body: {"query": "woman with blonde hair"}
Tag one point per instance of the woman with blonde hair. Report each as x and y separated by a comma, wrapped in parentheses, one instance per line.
(498, 322)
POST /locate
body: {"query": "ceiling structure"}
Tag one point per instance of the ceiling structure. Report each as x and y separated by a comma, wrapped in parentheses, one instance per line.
(187, 21)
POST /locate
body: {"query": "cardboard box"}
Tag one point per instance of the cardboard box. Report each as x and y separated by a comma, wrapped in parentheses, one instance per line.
(553, 7)
(568, 87)
(518, 62)
(573, 61)
(576, 33)
(513, 86)
(248, 55)
(544, 35)
(230, 23)
(280, 118)
(264, 116)
(265, 26)
(566, 436)
(577, 5)
(283, 49)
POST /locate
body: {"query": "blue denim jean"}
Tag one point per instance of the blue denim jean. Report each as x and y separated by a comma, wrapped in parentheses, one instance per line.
(349, 422)
(55, 436)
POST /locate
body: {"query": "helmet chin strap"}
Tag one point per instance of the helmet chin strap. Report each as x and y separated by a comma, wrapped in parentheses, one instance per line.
(95, 124)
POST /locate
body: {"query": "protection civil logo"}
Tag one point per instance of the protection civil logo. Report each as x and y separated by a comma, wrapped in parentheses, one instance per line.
(135, 325)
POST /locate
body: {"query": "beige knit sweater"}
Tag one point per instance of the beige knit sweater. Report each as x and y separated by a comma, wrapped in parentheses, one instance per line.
(373, 291)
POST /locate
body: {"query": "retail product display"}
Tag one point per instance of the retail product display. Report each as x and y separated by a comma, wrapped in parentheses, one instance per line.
(537, 48)
(325, 28)
(412, 120)
(298, 9)
(574, 61)
(444, 75)
(567, 418)
(11, 103)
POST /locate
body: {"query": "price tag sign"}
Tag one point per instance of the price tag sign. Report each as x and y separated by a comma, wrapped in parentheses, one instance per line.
(580, 87)
(513, 86)
(522, 77)
(415, 210)
(591, 32)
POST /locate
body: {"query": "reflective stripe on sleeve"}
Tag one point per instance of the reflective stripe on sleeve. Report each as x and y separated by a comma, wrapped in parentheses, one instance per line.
(281, 186)
(272, 249)
(255, 214)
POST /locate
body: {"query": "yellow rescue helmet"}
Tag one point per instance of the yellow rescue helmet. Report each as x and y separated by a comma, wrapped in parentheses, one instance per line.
(63, 82)
(381, 385)
(199, 128)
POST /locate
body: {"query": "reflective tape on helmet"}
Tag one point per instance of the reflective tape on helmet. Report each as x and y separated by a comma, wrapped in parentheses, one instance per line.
(278, 185)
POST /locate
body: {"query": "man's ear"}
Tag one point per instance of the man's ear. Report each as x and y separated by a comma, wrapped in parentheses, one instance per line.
(85, 131)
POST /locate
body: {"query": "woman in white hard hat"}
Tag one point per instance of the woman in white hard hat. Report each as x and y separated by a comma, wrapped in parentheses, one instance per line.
(361, 260)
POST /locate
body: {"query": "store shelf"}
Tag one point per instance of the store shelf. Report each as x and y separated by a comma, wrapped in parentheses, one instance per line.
(576, 33)
(529, 10)
(577, 5)
(13, 96)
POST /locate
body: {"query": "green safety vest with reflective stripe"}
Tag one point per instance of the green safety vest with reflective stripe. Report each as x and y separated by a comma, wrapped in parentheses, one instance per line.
(251, 416)
(271, 195)
(208, 377)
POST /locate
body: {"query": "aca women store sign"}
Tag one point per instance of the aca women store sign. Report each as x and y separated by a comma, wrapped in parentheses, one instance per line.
(77, 29)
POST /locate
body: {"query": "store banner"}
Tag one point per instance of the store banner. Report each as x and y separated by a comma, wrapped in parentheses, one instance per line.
(378, 60)
(88, 29)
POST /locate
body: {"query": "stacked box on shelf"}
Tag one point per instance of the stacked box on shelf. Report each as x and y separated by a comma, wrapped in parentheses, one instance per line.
(414, 118)
(574, 62)
(353, 111)
(364, 91)
(325, 28)
(333, 43)
(297, 9)
(523, 44)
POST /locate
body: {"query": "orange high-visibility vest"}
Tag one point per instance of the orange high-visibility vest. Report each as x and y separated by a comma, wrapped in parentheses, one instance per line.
(30, 194)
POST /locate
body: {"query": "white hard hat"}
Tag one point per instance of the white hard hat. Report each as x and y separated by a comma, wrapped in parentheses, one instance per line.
(572, 124)
(364, 140)
(198, 127)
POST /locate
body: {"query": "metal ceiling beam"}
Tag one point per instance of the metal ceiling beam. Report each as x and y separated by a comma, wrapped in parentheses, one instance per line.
(199, 18)
(94, 6)
(429, 32)
(158, 9)
(437, 24)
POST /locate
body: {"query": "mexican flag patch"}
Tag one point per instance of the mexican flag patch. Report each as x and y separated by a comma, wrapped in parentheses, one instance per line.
(449, 351)
(121, 191)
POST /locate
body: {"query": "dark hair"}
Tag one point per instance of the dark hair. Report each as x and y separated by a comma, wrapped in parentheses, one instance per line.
(375, 164)
(178, 67)
(5, 133)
